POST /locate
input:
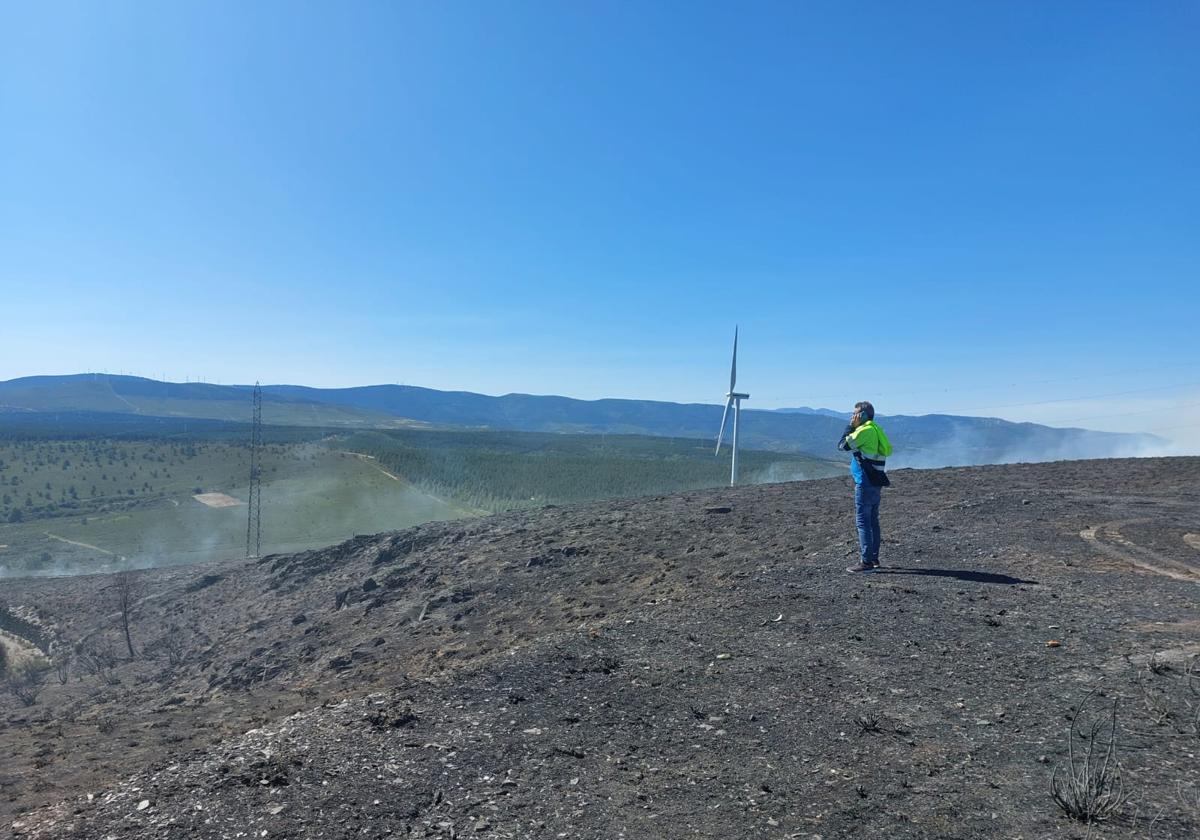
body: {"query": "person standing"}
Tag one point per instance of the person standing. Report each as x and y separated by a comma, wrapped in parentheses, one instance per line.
(865, 440)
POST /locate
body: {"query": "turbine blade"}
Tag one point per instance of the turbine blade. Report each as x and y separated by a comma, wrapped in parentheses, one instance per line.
(724, 415)
(733, 368)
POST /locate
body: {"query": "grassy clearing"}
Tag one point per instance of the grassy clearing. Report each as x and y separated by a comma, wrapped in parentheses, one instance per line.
(311, 497)
(95, 503)
(506, 470)
(274, 413)
(50, 479)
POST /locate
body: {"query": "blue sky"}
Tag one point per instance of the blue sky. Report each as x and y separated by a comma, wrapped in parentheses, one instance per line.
(985, 208)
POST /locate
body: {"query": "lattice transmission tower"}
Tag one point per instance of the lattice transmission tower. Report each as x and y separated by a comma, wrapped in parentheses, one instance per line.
(254, 502)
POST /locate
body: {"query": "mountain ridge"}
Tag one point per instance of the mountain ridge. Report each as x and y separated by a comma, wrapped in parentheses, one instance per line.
(924, 440)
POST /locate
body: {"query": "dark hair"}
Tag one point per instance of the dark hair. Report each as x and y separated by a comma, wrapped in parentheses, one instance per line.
(865, 409)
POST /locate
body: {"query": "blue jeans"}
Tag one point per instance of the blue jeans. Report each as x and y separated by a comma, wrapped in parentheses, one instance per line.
(866, 515)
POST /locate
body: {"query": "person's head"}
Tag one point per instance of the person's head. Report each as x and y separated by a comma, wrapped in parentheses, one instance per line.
(863, 411)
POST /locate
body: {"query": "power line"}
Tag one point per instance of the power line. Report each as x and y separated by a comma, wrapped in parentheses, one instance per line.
(254, 502)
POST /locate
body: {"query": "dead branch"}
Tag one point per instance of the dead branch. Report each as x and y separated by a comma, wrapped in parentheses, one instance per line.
(1090, 789)
(24, 681)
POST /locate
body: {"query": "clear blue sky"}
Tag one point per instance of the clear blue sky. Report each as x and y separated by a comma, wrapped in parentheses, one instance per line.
(986, 207)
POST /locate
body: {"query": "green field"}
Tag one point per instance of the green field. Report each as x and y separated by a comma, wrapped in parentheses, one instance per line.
(44, 479)
(312, 496)
(506, 470)
(71, 504)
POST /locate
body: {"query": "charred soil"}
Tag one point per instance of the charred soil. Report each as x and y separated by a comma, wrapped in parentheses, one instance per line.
(696, 665)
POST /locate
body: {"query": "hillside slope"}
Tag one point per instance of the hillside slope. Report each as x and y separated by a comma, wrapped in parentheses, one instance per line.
(695, 665)
(925, 441)
(928, 440)
(109, 394)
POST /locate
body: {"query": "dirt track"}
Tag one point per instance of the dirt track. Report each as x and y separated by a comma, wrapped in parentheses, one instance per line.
(616, 670)
(18, 650)
(80, 544)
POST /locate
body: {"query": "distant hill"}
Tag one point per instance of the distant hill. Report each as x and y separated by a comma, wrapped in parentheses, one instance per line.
(95, 392)
(928, 440)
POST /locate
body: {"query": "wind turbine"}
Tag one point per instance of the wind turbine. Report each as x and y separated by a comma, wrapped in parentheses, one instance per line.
(732, 399)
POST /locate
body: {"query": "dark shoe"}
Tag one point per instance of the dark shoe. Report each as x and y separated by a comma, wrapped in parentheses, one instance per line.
(861, 567)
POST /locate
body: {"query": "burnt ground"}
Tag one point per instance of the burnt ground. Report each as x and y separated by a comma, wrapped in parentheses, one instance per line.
(696, 665)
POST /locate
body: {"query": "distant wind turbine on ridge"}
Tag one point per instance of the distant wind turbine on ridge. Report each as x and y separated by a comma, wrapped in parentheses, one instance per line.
(732, 399)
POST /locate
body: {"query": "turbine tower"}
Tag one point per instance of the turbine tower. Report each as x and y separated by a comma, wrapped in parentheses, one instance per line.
(733, 398)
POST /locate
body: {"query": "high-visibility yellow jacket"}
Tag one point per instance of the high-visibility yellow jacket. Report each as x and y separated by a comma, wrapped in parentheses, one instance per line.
(870, 440)
(870, 443)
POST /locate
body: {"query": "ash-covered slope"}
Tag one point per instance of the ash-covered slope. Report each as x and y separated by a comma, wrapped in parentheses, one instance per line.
(689, 666)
